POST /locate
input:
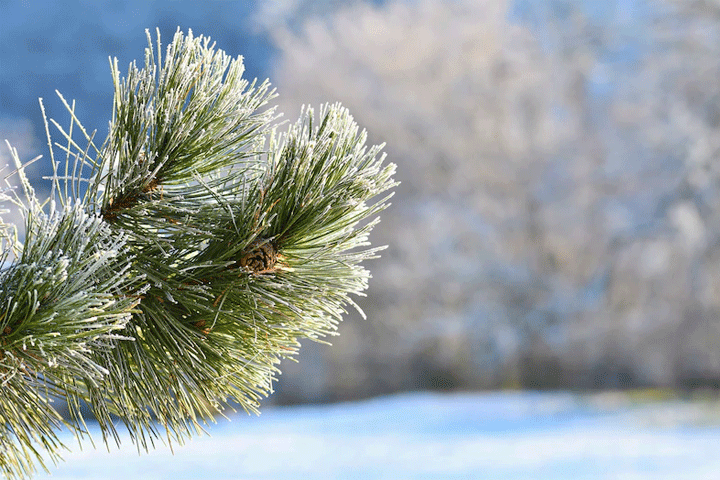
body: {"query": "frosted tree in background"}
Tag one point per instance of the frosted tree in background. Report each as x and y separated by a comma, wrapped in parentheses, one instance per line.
(177, 262)
(466, 103)
(672, 108)
(549, 235)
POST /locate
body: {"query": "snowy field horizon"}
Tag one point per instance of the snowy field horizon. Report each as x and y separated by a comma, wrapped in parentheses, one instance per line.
(493, 435)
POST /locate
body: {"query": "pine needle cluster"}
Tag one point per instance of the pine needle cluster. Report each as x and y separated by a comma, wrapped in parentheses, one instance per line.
(177, 263)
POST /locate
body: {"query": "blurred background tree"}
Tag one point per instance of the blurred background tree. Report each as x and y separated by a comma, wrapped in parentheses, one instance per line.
(555, 229)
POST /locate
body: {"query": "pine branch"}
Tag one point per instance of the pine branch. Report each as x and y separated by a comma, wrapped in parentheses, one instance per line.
(180, 261)
(62, 302)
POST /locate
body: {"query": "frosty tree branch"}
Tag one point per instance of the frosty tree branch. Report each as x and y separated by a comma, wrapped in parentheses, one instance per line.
(178, 262)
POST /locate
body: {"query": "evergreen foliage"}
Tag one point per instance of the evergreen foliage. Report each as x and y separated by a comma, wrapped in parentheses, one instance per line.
(176, 264)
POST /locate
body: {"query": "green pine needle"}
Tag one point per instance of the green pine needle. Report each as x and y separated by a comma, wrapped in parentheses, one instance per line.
(179, 262)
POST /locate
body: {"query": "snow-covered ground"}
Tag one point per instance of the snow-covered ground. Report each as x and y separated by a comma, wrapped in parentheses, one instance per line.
(513, 435)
